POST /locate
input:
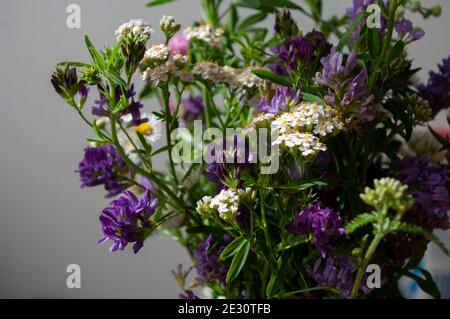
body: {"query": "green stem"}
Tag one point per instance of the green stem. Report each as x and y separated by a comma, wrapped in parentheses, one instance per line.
(207, 108)
(386, 43)
(372, 248)
(139, 170)
(166, 97)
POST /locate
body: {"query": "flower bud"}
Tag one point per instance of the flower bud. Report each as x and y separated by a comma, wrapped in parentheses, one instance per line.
(169, 26)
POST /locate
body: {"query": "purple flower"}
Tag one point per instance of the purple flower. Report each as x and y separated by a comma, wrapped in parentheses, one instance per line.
(323, 222)
(341, 82)
(428, 184)
(283, 99)
(102, 165)
(194, 107)
(358, 7)
(338, 272)
(233, 153)
(188, 294)
(299, 49)
(208, 266)
(406, 31)
(179, 43)
(437, 90)
(127, 220)
(100, 107)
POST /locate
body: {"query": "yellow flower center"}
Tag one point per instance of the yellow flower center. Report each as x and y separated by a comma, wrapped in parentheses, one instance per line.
(144, 129)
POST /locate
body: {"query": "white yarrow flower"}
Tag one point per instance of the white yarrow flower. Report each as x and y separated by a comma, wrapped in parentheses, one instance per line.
(135, 27)
(206, 33)
(156, 75)
(305, 143)
(157, 53)
(226, 203)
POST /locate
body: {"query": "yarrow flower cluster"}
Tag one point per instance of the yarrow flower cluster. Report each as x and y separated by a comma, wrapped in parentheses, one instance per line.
(309, 117)
(205, 33)
(236, 78)
(226, 203)
(135, 28)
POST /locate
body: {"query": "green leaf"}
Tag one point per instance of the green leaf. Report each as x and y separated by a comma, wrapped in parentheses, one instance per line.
(360, 221)
(445, 141)
(96, 57)
(232, 248)
(427, 285)
(116, 79)
(269, 5)
(396, 51)
(121, 105)
(206, 230)
(252, 20)
(158, 2)
(273, 287)
(349, 32)
(73, 63)
(270, 76)
(413, 229)
(415, 260)
(238, 261)
(232, 20)
(113, 56)
(302, 185)
(308, 97)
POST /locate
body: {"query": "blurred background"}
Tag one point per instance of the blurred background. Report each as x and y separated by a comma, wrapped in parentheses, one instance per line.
(46, 221)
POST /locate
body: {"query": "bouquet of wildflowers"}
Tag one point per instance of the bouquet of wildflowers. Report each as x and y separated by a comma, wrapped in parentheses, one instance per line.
(296, 166)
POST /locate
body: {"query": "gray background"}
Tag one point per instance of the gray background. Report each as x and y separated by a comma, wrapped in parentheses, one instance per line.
(47, 221)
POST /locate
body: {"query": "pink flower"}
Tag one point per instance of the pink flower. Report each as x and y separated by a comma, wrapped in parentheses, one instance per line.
(179, 43)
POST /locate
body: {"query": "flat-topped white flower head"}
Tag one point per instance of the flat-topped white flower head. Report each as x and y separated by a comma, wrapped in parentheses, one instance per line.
(135, 27)
(305, 143)
(206, 33)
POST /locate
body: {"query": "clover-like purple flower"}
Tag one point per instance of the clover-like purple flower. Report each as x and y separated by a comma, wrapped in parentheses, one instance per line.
(283, 99)
(346, 89)
(100, 107)
(127, 220)
(102, 166)
(429, 185)
(194, 107)
(437, 90)
(337, 272)
(323, 222)
(306, 49)
(406, 31)
(208, 266)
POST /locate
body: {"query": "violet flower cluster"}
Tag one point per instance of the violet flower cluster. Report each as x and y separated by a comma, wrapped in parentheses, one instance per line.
(347, 90)
(208, 266)
(127, 220)
(103, 166)
(322, 222)
(437, 90)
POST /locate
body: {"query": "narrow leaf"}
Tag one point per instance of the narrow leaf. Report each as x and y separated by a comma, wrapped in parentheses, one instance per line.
(270, 76)
(349, 32)
(238, 261)
(158, 2)
(232, 248)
